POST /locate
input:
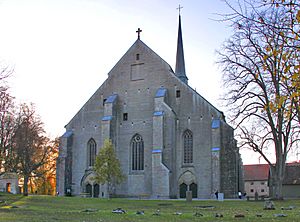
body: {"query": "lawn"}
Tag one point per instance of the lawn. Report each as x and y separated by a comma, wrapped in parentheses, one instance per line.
(48, 208)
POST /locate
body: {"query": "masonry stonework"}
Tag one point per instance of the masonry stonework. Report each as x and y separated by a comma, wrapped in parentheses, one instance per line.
(167, 137)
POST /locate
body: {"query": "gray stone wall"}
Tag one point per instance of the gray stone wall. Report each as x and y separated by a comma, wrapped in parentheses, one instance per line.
(230, 163)
(135, 82)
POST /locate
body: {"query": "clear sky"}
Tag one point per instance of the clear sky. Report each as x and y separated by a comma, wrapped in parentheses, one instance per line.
(62, 50)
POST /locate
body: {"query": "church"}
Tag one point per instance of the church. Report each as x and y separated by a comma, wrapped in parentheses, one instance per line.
(167, 137)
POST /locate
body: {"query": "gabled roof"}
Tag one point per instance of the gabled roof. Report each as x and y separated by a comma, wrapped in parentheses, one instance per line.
(255, 172)
(292, 174)
(140, 43)
(259, 172)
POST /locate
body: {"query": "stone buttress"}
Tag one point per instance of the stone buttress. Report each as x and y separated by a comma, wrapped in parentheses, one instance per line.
(109, 119)
(161, 174)
(64, 165)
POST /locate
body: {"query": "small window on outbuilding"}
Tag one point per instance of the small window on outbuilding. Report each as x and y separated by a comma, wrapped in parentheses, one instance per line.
(177, 93)
(251, 190)
(137, 57)
(262, 190)
(125, 116)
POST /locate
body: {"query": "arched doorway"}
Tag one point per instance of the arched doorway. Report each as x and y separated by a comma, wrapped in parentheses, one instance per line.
(96, 190)
(193, 188)
(182, 190)
(187, 182)
(88, 189)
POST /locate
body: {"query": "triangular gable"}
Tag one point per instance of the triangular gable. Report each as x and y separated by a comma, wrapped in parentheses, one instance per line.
(140, 43)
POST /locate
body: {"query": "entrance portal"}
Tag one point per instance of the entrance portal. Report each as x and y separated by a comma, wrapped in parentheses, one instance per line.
(193, 188)
(182, 190)
(88, 189)
(96, 190)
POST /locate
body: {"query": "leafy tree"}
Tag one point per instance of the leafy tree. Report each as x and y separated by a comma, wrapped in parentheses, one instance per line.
(292, 27)
(107, 167)
(256, 71)
(45, 184)
(30, 147)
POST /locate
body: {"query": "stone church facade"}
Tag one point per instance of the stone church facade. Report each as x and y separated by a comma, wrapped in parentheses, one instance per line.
(167, 137)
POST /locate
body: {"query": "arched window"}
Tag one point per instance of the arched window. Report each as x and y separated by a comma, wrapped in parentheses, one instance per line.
(187, 147)
(137, 152)
(91, 152)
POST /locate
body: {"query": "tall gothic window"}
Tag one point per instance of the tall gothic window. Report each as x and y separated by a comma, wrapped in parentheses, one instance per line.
(91, 152)
(187, 147)
(137, 152)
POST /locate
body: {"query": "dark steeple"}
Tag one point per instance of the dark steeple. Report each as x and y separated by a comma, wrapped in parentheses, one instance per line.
(180, 67)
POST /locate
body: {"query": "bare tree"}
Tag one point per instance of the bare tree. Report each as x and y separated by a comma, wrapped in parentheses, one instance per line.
(7, 124)
(30, 145)
(6, 114)
(255, 63)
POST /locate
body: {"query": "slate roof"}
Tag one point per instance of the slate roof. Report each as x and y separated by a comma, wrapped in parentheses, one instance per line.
(256, 172)
(67, 134)
(161, 92)
(292, 174)
(111, 98)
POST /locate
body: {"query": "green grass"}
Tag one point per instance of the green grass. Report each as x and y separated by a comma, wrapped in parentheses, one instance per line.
(47, 208)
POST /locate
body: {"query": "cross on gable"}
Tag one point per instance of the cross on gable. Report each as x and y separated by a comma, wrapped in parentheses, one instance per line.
(138, 32)
(179, 8)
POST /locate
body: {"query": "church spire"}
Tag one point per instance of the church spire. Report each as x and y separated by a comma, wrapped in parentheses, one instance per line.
(180, 66)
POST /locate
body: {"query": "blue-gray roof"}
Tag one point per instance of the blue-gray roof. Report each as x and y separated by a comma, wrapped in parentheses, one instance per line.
(106, 118)
(111, 98)
(158, 113)
(214, 149)
(215, 123)
(67, 134)
(161, 92)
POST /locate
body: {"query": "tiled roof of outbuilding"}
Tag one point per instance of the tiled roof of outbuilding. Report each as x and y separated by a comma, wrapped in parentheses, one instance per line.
(255, 172)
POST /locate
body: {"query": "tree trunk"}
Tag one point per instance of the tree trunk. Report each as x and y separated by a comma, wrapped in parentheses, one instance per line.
(276, 183)
(25, 188)
(108, 190)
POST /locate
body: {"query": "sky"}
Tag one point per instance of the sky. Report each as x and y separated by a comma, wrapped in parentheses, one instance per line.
(62, 50)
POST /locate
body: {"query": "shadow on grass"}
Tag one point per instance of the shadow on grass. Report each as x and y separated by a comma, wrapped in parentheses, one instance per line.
(7, 199)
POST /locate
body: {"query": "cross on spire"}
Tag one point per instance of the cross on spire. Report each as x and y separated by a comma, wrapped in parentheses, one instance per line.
(179, 8)
(138, 32)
